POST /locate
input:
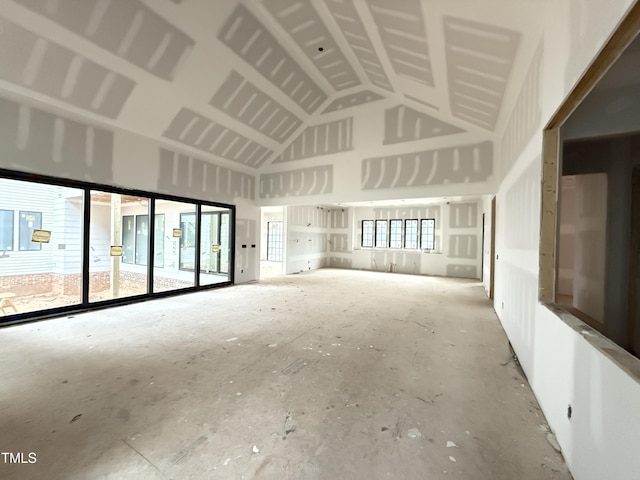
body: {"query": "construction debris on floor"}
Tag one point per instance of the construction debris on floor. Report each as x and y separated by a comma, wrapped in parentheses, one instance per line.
(331, 374)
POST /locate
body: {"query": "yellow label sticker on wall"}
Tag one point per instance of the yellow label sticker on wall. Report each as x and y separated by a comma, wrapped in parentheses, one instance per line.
(115, 250)
(41, 236)
(177, 232)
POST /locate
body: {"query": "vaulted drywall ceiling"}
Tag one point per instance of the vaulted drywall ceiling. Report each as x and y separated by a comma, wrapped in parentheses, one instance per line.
(257, 85)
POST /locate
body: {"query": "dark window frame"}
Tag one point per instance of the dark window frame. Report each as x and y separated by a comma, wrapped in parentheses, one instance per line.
(371, 237)
(433, 234)
(392, 222)
(87, 188)
(386, 236)
(417, 233)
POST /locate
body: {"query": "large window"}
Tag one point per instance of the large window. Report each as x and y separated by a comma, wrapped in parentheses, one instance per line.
(395, 234)
(367, 233)
(29, 221)
(6, 230)
(389, 233)
(108, 276)
(381, 233)
(411, 234)
(46, 273)
(168, 246)
(428, 234)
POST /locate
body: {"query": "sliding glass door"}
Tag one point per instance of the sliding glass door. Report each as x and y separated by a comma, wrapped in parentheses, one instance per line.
(214, 245)
(66, 245)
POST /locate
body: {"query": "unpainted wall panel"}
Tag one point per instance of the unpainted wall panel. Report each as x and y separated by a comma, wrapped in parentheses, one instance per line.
(294, 183)
(300, 19)
(317, 140)
(41, 65)
(355, 34)
(250, 40)
(479, 62)
(39, 141)
(245, 102)
(193, 129)
(352, 100)
(128, 29)
(188, 176)
(404, 124)
(470, 163)
(526, 115)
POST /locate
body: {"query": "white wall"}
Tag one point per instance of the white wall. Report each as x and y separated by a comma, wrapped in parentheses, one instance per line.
(306, 238)
(566, 363)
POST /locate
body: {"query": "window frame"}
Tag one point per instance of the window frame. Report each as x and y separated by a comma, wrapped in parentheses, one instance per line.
(400, 243)
(422, 235)
(87, 188)
(275, 241)
(371, 236)
(416, 237)
(386, 233)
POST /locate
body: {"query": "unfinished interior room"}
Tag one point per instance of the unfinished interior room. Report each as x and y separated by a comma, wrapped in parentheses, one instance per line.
(320, 239)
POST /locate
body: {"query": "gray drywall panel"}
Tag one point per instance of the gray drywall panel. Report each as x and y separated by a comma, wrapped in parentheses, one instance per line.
(463, 215)
(339, 218)
(469, 163)
(41, 65)
(339, 242)
(128, 29)
(300, 20)
(526, 115)
(479, 62)
(36, 140)
(462, 271)
(245, 102)
(352, 100)
(403, 33)
(524, 192)
(463, 246)
(347, 17)
(295, 183)
(188, 176)
(317, 140)
(404, 124)
(250, 40)
(197, 131)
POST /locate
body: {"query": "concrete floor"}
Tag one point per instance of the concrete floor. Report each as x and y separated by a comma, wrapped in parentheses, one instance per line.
(330, 374)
